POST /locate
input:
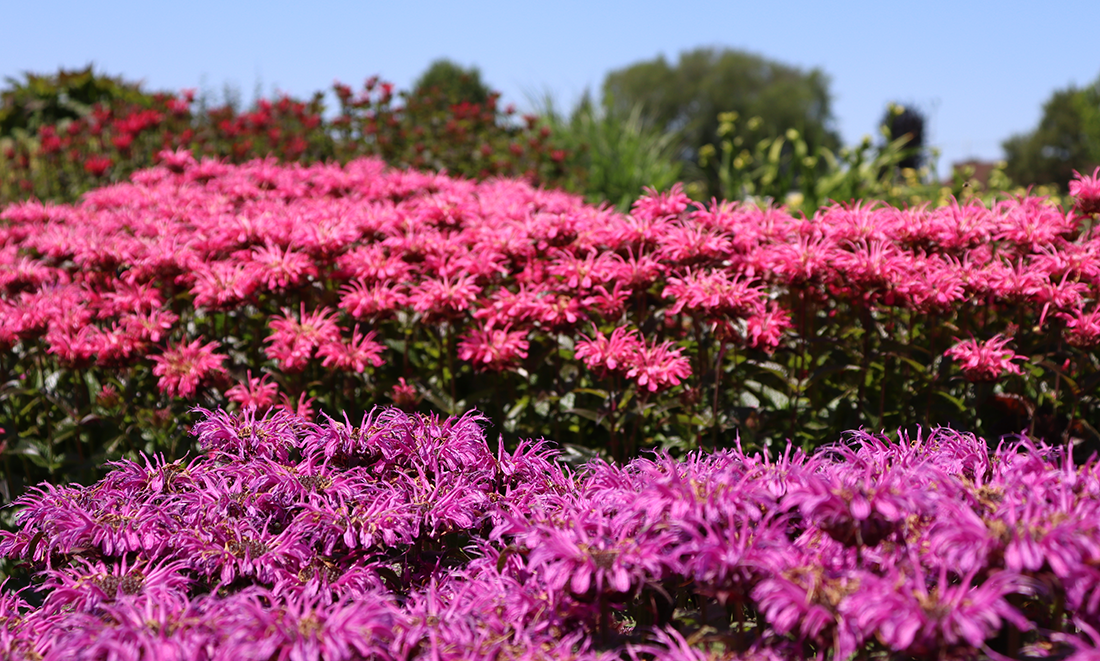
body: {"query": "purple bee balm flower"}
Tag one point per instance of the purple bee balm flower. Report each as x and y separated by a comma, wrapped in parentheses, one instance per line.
(132, 628)
(15, 634)
(854, 510)
(909, 617)
(86, 585)
(804, 600)
(591, 555)
(257, 625)
(243, 435)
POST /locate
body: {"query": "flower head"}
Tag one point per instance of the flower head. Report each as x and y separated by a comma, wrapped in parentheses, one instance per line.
(1087, 192)
(183, 366)
(404, 395)
(985, 361)
(610, 354)
(659, 366)
(293, 340)
(254, 391)
(494, 349)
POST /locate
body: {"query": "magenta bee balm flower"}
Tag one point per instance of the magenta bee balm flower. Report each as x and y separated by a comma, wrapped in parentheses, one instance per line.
(182, 367)
(985, 361)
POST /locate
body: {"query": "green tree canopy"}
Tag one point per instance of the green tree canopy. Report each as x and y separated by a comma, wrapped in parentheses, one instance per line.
(1067, 139)
(451, 83)
(47, 99)
(906, 121)
(687, 97)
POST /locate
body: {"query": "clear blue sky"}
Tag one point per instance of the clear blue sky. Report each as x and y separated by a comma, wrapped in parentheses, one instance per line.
(979, 70)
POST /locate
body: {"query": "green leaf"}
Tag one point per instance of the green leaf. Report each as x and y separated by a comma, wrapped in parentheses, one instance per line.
(93, 384)
(954, 400)
(602, 394)
(627, 396)
(518, 407)
(588, 414)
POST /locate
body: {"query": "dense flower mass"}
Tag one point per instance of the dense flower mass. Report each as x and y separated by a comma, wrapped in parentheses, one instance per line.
(405, 537)
(676, 323)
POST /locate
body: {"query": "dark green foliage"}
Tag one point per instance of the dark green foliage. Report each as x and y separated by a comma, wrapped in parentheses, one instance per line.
(687, 98)
(901, 121)
(1067, 139)
(451, 84)
(40, 100)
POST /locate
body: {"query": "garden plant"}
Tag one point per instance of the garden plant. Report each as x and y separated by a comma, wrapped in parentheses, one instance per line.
(281, 386)
(68, 133)
(328, 288)
(405, 536)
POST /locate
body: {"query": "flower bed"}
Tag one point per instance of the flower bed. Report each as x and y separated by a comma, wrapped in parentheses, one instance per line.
(407, 537)
(333, 288)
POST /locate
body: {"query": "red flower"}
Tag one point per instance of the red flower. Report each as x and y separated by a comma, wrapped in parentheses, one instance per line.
(97, 165)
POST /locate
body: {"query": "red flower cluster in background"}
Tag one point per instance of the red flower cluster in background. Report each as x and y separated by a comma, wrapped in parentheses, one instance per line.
(60, 161)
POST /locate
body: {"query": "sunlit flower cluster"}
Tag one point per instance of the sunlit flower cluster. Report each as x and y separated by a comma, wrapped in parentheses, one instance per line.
(333, 282)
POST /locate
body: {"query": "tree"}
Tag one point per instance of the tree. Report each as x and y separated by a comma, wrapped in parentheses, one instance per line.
(687, 98)
(449, 84)
(69, 94)
(1067, 139)
(901, 121)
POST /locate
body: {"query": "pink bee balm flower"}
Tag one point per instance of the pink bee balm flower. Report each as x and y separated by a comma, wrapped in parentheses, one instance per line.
(404, 395)
(660, 366)
(1087, 192)
(985, 361)
(254, 391)
(765, 329)
(183, 366)
(494, 349)
(354, 355)
(176, 161)
(654, 205)
(293, 340)
(1083, 328)
(610, 354)
(714, 293)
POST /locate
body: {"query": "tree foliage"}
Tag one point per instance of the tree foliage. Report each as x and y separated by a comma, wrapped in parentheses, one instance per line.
(906, 121)
(451, 84)
(38, 100)
(613, 156)
(687, 98)
(1066, 140)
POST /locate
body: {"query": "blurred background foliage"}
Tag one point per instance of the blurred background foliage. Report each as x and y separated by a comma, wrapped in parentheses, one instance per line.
(727, 123)
(686, 99)
(41, 100)
(1066, 140)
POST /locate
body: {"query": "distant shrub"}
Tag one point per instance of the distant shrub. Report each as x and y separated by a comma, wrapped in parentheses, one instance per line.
(66, 134)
